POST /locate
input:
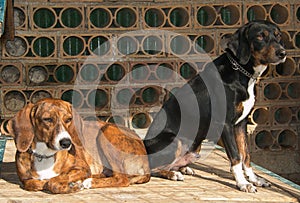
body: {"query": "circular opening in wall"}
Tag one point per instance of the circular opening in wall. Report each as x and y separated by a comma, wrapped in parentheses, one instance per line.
(64, 73)
(164, 71)
(150, 95)
(98, 98)
(38, 74)
(287, 68)
(230, 15)
(283, 115)
(89, 72)
(272, 91)
(99, 45)
(264, 139)
(74, 97)
(17, 47)
(256, 12)
(127, 45)
(19, 17)
(180, 45)
(293, 90)
(154, 17)
(126, 17)
(287, 139)
(38, 95)
(179, 17)
(260, 116)
(126, 97)
(206, 15)
(44, 18)
(10, 74)
(115, 72)
(298, 13)
(71, 17)
(100, 17)
(73, 46)
(204, 44)
(43, 46)
(187, 71)
(140, 72)
(141, 120)
(297, 40)
(279, 14)
(14, 100)
(152, 45)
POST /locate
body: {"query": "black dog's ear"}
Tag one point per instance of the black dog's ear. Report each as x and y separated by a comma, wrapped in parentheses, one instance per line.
(239, 44)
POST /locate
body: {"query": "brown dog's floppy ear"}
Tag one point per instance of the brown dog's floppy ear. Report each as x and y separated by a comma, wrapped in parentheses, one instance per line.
(21, 128)
(75, 128)
(239, 44)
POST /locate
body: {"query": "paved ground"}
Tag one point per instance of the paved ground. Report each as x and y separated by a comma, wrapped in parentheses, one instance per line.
(212, 182)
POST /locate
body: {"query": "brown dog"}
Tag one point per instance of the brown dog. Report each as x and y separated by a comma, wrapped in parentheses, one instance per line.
(53, 150)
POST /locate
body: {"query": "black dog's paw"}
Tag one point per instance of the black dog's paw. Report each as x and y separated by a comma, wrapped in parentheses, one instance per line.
(176, 176)
(187, 170)
(247, 187)
(261, 182)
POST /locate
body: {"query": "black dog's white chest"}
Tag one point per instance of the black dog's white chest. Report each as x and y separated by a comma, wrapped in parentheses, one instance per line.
(249, 102)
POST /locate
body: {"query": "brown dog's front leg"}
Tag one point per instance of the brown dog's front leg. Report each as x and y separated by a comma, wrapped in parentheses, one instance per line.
(68, 182)
(117, 180)
(34, 185)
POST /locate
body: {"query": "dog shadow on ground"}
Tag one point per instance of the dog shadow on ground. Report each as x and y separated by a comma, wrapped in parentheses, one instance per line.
(227, 175)
(9, 173)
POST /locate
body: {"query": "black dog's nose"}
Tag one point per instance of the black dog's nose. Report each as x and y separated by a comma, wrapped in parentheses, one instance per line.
(65, 143)
(281, 53)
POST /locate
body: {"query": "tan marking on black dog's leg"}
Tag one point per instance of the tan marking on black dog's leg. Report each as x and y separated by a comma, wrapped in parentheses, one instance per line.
(241, 139)
(237, 169)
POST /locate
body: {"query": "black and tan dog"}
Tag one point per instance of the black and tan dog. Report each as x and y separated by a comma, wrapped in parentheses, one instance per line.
(53, 154)
(216, 103)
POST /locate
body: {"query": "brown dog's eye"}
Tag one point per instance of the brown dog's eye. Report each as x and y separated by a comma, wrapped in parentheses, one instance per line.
(49, 120)
(68, 120)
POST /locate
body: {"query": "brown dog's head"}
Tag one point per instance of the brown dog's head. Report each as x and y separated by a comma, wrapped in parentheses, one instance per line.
(260, 40)
(49, 121)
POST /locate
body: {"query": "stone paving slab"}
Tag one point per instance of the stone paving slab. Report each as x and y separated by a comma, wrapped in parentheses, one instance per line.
(212, 183)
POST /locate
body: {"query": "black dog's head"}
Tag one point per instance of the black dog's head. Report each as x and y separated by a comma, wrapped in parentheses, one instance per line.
(259, 41)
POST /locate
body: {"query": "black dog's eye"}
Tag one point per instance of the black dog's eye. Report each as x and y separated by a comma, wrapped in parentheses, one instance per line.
(260, 37)
(68, 120)
(49, 120)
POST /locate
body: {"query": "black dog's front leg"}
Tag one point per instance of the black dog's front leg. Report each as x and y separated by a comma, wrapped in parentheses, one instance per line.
(229, 139)
(241, 140)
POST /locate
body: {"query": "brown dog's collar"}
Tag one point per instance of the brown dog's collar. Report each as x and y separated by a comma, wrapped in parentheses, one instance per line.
(237, 66)
(39, 157)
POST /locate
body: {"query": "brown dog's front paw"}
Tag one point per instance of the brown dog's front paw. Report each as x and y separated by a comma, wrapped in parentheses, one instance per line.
(63, 187)
(34, 185)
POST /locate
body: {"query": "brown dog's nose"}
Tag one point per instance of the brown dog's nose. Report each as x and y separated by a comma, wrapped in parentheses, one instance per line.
(281, 53)
(65, 143)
